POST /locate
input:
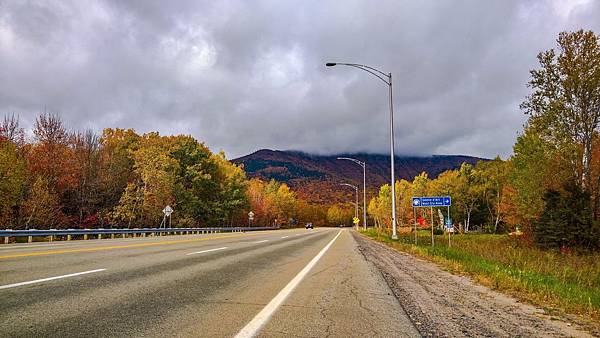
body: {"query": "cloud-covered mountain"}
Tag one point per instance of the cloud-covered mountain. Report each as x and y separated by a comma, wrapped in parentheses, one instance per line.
(317, 177)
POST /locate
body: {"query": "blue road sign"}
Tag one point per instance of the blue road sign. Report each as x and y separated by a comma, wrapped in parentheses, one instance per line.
(449, 223)
(435, 201)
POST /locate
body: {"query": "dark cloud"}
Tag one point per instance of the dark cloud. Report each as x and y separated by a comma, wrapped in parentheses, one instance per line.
(242, 75)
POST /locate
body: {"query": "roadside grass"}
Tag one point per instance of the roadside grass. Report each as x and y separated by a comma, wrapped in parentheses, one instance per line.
(560, 283)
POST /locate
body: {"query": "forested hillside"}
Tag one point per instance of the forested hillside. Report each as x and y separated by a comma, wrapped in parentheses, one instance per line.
(59, 178)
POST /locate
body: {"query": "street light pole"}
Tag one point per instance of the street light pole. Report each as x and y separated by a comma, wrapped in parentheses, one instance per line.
(387, 79)
(364, 166)
(356, 203)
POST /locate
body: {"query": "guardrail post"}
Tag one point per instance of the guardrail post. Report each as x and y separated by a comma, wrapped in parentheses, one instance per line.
(6, 240)
(124, 235)
(112, 236)
(85, 237)
(68, 237)
(99, 236)
(51, 238)
(29, 239)
(143, 234)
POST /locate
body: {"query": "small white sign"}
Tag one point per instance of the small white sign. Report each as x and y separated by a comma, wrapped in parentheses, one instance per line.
(250, 215)
(168, 210)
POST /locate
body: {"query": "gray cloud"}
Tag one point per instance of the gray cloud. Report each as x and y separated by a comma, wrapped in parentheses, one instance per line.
(243, 75)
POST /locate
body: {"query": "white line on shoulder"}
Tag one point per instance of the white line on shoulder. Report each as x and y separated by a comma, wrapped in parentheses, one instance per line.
(253, 327)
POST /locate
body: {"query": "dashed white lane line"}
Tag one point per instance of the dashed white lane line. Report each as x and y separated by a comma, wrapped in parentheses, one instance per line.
(49, 279)
(285, 236)
(204, 251)
(252, 328)
(265, 240)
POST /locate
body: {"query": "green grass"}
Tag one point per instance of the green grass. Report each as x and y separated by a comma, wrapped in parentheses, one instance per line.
(560, 283)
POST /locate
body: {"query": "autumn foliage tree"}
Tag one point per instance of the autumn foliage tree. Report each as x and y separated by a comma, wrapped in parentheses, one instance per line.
(122, 179)
(12, 179)
(556, 151)
(272, 202)
(339, 215)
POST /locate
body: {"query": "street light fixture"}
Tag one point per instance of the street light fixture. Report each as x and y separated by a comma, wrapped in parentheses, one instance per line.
(364, 166)
(355, 204)
(387, 79)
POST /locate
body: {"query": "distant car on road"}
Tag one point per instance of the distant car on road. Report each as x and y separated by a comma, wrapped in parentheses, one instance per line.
(309, 225)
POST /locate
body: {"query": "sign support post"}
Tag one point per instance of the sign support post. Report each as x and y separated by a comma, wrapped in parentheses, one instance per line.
(415, 216)
(167, 211)
(449, 234)
(432, 226)
(250, 218)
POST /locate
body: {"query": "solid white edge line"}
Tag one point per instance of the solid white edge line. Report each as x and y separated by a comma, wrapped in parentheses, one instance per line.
(285, 236)
(254, 326)
(49, 279)
(203, 251)
(264, 240)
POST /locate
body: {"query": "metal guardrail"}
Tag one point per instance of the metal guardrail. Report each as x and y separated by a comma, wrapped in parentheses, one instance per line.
(30, 233)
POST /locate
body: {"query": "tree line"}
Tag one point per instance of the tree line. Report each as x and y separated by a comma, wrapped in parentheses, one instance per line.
(62, 179)
(550, 186)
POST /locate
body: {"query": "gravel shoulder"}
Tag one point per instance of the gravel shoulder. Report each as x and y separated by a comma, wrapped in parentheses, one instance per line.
(441, 304)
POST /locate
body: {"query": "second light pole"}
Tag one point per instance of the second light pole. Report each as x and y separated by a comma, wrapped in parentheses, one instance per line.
(364, 166)
(387, 79)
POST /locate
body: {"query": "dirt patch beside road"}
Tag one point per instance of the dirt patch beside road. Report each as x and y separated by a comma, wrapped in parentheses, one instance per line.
(441, 304)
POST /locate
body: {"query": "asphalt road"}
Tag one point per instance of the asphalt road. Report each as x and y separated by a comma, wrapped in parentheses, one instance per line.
(270, 284)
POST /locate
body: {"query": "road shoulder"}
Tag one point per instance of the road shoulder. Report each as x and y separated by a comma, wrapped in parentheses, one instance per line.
(442, 304)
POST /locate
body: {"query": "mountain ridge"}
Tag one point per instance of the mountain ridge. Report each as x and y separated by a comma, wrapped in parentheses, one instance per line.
(316, 178)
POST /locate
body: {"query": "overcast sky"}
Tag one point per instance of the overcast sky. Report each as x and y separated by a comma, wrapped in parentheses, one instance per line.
(245, 75)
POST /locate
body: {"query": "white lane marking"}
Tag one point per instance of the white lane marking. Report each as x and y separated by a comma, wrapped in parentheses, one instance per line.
(204, 251)
(266, 240)
(285, 236)
(49, 279)
(252, 328)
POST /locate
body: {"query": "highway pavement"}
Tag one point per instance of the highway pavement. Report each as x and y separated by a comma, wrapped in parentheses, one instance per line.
(283, 283)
